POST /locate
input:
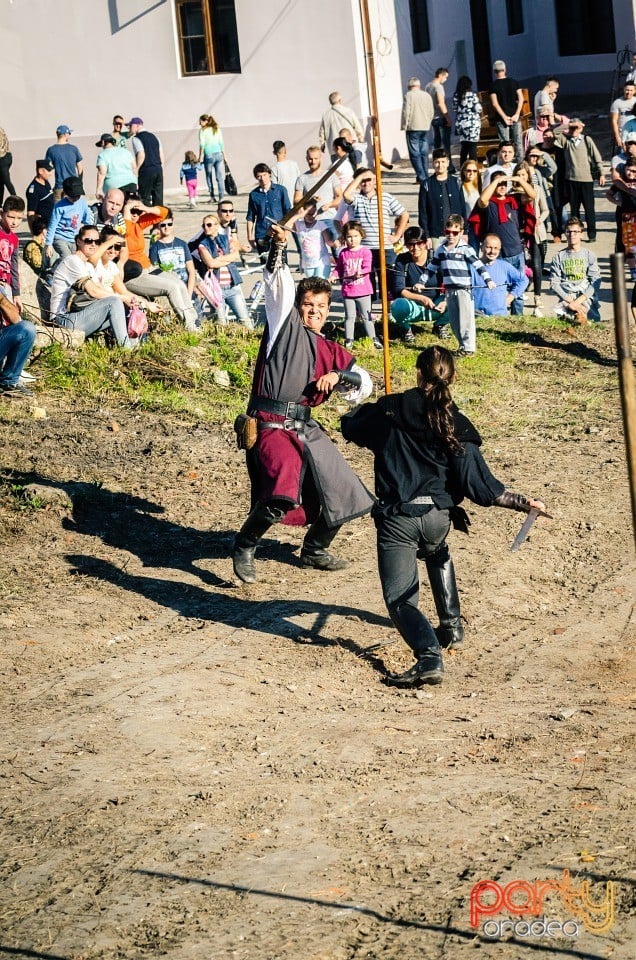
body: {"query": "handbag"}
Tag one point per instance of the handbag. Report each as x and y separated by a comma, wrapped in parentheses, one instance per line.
(210, 289)
(230, 183)
(78, 299)
(137, 322)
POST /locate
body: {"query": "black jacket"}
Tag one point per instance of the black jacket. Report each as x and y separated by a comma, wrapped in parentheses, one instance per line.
(430, 204)
(410, 462)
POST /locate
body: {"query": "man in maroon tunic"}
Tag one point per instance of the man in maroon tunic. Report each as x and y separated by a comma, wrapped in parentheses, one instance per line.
(297, 474)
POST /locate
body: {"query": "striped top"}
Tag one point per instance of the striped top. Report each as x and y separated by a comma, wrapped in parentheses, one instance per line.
(451, 266)
(365, 210)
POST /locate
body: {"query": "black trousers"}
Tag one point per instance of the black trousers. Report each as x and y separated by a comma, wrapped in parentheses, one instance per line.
(581, 194)
(399, 539)
(5, 176)
(467, 151)
(151, 187)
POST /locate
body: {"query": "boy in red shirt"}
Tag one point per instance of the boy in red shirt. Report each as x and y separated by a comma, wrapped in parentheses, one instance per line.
(10, 219)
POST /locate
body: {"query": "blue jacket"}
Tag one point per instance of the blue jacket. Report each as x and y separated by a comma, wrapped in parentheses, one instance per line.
(219, 246)
(492, 303)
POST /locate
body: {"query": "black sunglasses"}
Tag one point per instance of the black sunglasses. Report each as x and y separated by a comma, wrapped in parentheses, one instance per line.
(166, 223)
(226, 209)
(89, 240)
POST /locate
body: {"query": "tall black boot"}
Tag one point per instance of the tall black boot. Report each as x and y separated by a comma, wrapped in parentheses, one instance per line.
(262, 517)
(441, 574)
(314, 551)
(421, 638)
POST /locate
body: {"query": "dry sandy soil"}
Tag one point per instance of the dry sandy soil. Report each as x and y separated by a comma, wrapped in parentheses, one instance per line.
(197, 769)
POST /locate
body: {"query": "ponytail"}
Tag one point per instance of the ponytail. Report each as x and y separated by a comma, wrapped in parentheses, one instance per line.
(437, 370)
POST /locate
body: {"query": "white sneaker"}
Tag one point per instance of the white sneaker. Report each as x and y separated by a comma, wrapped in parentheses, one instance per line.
(27, 377)
(538, 310)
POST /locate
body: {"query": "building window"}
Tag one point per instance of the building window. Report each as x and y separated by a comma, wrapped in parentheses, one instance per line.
(514, 11)
(208, 38)
(585, 27)
(419, 26)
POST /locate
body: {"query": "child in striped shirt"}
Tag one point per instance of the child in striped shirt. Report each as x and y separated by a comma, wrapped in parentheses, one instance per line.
(450, 267)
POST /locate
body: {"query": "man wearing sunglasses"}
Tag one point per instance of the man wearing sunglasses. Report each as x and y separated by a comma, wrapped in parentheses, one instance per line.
(119, 134)
(79, 302)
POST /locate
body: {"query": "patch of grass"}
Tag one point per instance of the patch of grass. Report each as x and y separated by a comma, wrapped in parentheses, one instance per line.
(526, 372)
(23, 501)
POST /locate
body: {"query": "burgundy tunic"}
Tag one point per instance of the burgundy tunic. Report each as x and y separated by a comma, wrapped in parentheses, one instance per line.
(305, 470)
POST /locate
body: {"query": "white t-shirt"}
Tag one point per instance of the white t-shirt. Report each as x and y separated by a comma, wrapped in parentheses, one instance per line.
(68, 271)
(106, 274)
(624, 110)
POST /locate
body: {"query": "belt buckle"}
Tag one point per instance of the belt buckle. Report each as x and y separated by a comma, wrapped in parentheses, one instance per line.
(290, 410)
(289, 423)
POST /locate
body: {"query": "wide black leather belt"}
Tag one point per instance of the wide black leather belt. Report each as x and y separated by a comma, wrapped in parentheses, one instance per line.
(291, 410)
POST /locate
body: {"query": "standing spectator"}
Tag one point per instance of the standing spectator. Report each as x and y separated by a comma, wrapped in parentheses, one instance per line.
(558, 195)
(39, 194)
(439, 196)
(620, 112)
(115, 168)
(508, 218)
(418, 111)
(218, 253)
(631, 76)
(266, 203)
(149, 160)
(119, 134)
(10, 219)
(359, 155)
(450, 267)
(212, 154)
(328, 196)
(6, 159)
(362, 197)
(189, 172)
(333, 120)
(510, 283)
(17, 337)
(315, 242)
(629, 129)
(68, 215)
(354, 269)
(575, 277)
(138, 218)
(467, 118)
(538, 241)
(470, 181)
(583, 165)
(506, 97)
(623, 194)
(441, 121)
(284, 171)
(505, 164)
(534, 135)
(345, 171)
(544, 101)
(66, 159)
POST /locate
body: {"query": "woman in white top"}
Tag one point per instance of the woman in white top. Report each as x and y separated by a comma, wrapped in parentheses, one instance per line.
(539, 242)
(109, 272)
(470, 190)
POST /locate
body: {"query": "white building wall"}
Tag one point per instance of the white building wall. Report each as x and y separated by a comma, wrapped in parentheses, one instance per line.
(88, 59)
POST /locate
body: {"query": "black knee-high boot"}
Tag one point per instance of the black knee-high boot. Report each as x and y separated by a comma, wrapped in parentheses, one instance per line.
(422, 639)
(441, 575)
(314, 551)
(262, 517)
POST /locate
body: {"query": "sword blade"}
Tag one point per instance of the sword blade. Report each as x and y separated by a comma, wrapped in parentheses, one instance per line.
(533, 513)
(311, 193)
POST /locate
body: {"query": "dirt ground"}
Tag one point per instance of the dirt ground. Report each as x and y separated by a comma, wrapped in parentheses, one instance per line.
(192, 768)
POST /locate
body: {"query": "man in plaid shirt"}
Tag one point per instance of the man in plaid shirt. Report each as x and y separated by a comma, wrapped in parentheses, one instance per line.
(450, 267)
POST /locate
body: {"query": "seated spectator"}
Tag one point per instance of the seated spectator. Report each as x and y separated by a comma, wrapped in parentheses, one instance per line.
(79, 302)
(39, 193)
(170, 253)
(10, 219)
(217, 253)
(115, 168)
(575, 277)
(17, 337)
(410, 278)
(68, 215)
(108, 211)
(510, 282)
(35, 255)
(149, 283)
(109, 272)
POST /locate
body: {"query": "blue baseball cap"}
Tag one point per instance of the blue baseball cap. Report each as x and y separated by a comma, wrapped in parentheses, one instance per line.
(63, 129)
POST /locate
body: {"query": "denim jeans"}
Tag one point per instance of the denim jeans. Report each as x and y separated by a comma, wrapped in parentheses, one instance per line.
(234, 299)
(399, 538)
(16, 342)
(518, 261)
(215, 167)
(442, 138)
(417, 144)
(100, 315)
(511, 134)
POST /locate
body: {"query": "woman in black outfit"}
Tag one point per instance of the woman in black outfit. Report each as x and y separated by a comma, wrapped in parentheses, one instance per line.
(427, 459)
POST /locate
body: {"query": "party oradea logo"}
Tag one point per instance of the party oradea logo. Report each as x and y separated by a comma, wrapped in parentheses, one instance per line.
(523, 899)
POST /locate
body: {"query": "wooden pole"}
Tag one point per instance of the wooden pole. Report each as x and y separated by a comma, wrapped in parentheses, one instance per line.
(377, 155)
(626, 378)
